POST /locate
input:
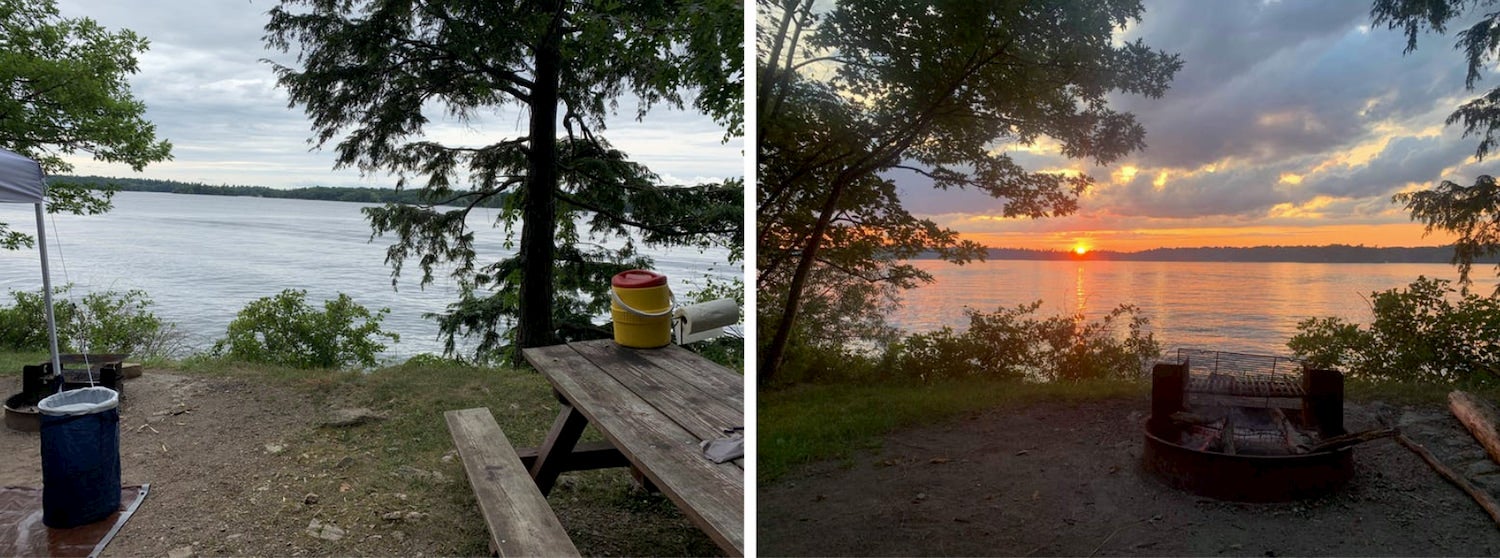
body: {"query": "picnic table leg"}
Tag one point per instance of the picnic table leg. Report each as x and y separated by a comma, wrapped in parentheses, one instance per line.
(554, 452)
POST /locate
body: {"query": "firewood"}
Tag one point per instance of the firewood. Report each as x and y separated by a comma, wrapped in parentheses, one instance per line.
(1296, 441)
(1228, 436)
(1480, 497)
(1480, 418)
(1189, 417)
(1346, 440)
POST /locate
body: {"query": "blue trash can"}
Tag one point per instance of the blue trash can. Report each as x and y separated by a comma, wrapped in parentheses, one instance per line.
(80, 456)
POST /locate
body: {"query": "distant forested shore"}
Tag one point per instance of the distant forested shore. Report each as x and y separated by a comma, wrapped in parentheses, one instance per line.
(323, 193)
(1333, 253)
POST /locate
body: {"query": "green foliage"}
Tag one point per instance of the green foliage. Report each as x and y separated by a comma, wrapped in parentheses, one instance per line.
(850, 96)
(284, 330)
(374, 73)
(102, 322)
(1011, 343)
(1471, 212)
(1422, 334)
(63, 89)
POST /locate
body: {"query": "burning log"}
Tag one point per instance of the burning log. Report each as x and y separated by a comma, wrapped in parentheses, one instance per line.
(1480, 418)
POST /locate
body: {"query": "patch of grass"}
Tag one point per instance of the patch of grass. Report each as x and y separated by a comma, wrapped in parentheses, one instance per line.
(1410, 393)
(810, 423)
(390, 463)
(11, 363)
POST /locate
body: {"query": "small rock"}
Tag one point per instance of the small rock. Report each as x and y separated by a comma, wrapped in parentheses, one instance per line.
(414, 515)
(921, 496)
(393, 516)
(310, 499)
(275, 449)
(401, 496)
(343, 418)
(409, 472)
(181, 552)
(234, 537)
(398, 535)
(325, 531)
(448, 457)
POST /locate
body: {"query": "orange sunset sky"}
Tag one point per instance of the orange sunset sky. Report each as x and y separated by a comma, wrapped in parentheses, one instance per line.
(1290, 123)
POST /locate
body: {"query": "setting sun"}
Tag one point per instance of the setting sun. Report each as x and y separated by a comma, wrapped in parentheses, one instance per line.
(1080, 249)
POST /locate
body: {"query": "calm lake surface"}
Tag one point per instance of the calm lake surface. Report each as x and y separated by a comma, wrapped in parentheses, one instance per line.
(1241, 307)
(202, 258)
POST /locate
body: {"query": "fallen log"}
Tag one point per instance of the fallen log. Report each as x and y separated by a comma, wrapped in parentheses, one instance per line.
(1347, 440)
(1480, 497)
(1480, 418)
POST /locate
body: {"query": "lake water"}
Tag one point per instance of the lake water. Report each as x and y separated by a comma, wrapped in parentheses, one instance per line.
(1241, 307)
(202, 258)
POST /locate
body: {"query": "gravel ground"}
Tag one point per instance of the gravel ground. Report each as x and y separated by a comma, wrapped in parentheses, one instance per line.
(1065, 480)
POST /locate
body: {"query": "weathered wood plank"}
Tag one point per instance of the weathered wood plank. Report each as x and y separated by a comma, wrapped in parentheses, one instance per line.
(704, 414)
(520, 521)
(557, 448)
(710, 494)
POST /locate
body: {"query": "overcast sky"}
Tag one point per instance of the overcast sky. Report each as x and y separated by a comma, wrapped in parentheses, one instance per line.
(208, 92)
(1291, 122)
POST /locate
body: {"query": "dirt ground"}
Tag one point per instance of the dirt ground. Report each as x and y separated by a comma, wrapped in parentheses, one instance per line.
(1064, 480)
(210, 472)
(244, 467)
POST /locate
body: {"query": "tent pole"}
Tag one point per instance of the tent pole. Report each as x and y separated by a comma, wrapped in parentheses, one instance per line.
(41, 243)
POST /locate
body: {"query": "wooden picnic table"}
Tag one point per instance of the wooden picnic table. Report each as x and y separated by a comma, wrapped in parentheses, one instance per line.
(655, 407)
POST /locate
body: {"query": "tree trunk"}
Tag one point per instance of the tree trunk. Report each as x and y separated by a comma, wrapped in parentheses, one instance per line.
(1479, 417)
(770, 361)
(539, 208)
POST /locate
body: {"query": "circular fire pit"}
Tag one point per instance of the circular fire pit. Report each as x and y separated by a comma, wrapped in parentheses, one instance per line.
(21, 413)
(1248, 478)
(1246, 428)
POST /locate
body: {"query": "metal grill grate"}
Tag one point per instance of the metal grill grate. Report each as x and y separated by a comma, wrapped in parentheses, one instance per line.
(1243, 375)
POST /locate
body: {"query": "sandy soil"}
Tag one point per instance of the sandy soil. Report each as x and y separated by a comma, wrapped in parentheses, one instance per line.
(1065, 480)
(207, 470)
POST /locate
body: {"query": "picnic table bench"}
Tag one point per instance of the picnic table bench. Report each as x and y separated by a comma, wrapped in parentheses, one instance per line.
(653, 406)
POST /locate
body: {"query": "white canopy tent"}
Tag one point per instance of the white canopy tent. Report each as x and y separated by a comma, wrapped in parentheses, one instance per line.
(21, 182)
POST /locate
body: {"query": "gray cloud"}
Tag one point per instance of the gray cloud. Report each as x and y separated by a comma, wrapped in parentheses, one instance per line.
(207, 91)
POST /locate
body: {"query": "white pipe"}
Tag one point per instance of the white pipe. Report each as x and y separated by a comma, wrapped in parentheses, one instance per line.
(41, 243)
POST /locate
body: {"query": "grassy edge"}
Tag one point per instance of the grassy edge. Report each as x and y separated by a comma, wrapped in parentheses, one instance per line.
(808, 423)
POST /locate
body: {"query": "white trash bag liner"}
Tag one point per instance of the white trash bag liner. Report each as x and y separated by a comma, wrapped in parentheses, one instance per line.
(81, 401)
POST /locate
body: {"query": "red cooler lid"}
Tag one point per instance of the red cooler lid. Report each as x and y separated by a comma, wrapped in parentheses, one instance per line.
(638, 279)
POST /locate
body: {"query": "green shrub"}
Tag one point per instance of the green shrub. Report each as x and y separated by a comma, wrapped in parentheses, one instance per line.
(1419, 334)
(284, 330)
(1012, 344)
(102, 322)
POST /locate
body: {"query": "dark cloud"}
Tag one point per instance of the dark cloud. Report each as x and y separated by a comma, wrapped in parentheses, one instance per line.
(1273, 89)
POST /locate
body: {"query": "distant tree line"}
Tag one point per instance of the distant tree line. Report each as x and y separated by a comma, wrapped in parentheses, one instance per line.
(1333, 253)
(324, 193)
